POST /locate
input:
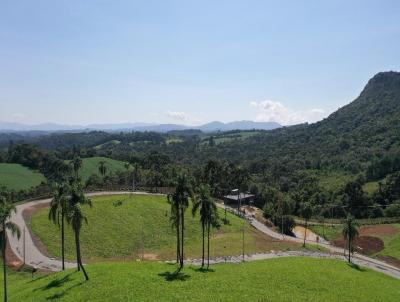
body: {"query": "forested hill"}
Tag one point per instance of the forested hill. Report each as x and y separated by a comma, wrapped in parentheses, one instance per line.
(351, 138)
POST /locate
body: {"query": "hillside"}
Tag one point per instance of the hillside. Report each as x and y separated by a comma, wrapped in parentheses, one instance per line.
(144, 220)
(18, 177)
(285, 279)
(90, 166)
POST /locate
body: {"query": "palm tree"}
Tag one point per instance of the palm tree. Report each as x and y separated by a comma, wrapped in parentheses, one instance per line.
(6, 209)
(57, 213)
(350, 232)
(76, 165)
(102, 168)
(75, 217)
(179, 201)
(208, 216)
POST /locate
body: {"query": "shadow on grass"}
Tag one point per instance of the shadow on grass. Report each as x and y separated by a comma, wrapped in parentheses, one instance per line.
(203, 270)
(356, 267)
(55, 283)
(175, 276)
(58, 296)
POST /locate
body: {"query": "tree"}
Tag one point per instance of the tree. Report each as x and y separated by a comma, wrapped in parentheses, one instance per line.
(205, 204)
(306, 213)
(179, 201)
(76, 165)
(350, 232)
(6, 209)
(75, 217)
(102, 168)
(57, 213)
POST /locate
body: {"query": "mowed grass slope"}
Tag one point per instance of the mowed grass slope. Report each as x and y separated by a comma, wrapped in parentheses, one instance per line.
(140, 226)
(285, 279)
(18, 177)
(90, 166)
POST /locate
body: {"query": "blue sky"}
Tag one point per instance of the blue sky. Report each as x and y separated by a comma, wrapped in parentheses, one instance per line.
(83, 62)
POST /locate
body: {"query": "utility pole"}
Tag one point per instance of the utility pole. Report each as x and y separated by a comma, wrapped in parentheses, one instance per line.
(243, 239)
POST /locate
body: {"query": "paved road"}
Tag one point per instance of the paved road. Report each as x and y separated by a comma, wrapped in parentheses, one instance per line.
(357, 258)
(36, 259)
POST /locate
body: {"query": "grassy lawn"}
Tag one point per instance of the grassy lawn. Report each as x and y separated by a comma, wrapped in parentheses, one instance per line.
(90, 166)
(140, 226)
(330, 232)
(285, 279)
(334, 181)
(18, 177)
(392, 244)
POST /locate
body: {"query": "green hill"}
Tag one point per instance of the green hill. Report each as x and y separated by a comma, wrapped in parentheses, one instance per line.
(90, 166)
(140, 226)
(18, 177)
(285, 279)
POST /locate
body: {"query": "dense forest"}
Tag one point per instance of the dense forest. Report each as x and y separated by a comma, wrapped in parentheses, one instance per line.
(332, 164)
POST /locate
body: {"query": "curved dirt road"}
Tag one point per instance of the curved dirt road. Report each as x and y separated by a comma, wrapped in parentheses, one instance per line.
(35, 258)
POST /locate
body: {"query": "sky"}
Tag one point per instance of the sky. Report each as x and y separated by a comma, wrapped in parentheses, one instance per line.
(190, 62)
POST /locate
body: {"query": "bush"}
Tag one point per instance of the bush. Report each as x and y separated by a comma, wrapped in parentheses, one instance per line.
(285, 224)
(393, 210)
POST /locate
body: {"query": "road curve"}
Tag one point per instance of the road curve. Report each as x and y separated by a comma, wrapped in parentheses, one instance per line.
(35, 258)
(337, 253)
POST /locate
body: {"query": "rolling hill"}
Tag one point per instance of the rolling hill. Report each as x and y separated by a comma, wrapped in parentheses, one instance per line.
(18, 177)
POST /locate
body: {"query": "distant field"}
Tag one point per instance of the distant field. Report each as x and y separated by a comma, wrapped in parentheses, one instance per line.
(285, 279)
(140, 227)
(225, 138)
(90, 166)
(108, 144)
(333, 181)
(18, 177)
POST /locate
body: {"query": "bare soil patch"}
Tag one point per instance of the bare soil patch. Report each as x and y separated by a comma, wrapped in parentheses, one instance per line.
(12, 260)
(363, 244)
(378, 230)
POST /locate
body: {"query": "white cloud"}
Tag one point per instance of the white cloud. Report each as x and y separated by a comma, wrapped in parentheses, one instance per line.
(183, 117)
(271, 111)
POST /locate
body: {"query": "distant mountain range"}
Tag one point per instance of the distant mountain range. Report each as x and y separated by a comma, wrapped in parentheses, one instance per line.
(210, 127)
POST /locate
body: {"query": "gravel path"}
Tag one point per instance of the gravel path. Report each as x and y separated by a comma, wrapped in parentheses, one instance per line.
(35, 258)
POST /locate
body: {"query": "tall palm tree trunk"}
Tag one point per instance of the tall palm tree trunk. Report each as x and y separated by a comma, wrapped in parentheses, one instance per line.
(77, 251)
(202, 259)
(182, 236)
(62, 240)
(208, 246)
(349, 243)
(79, 260)
(178, 240)
(3, 251)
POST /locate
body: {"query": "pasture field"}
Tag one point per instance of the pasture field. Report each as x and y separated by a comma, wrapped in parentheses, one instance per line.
(284, 279)
(90, 166)
(137, 226)
(18, 177)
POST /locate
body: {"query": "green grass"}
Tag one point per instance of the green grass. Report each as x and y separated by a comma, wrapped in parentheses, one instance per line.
(141, 226)
(18, 177)
(285, 279)
(334, 181)
(371, 187)
(330, 232)
(226, 138)
(111, 143)
(90, 166)
(392, 244)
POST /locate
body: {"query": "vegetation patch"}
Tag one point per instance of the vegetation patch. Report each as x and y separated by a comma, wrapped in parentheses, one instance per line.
(90, 166)
(18, 177)
(285, 279)
(127, 226)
